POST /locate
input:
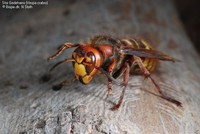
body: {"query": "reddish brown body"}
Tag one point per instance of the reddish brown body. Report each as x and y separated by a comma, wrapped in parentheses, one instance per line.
(113, 57)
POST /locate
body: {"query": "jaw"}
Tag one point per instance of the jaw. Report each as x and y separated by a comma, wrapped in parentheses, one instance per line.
(81, 73)
(85, 79)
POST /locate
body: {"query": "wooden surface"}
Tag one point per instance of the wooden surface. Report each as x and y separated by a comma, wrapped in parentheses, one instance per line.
(28, 37)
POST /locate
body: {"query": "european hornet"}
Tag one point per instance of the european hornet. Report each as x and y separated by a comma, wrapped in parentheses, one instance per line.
(113, 57)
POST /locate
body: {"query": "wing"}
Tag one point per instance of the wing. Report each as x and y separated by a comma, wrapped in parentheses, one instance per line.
(146, 53)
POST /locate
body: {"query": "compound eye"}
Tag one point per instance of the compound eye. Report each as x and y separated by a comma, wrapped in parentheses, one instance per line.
(89, 58)
(89, 62)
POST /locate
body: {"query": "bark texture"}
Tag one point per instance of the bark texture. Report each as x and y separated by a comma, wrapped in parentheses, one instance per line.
(28, 37)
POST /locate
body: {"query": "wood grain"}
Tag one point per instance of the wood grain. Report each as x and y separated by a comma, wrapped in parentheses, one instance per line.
(29, 106)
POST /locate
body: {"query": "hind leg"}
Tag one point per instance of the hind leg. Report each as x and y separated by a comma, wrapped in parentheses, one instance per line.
(147, 74)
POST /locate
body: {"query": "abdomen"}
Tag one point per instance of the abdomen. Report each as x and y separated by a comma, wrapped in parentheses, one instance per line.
(149, 63)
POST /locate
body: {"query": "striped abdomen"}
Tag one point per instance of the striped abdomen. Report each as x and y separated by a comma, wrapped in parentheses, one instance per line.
(149, 63)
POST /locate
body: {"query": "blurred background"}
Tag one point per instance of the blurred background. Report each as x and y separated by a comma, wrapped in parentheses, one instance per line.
(189, 14)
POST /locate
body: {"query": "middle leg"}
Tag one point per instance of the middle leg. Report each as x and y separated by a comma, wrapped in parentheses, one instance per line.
(109, 81)
(125, 82)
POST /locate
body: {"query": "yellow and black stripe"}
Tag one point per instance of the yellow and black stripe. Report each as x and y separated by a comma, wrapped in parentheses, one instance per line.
(149, 63)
